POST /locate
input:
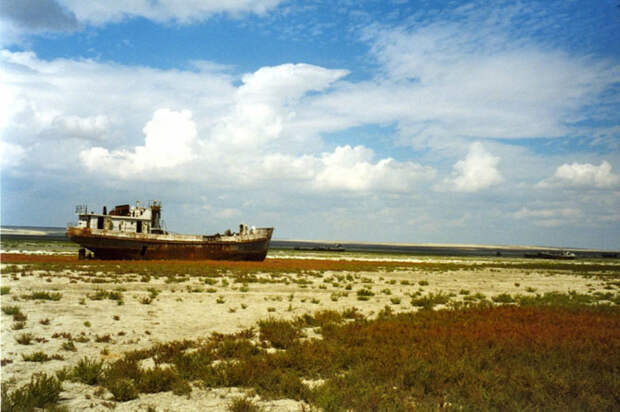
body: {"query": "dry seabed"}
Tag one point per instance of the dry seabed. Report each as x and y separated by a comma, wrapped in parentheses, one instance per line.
(70, 311)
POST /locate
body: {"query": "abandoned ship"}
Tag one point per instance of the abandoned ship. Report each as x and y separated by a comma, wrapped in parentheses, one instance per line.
(135, 232)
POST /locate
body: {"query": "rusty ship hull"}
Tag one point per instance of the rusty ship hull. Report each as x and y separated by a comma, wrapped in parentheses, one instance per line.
(105, 244)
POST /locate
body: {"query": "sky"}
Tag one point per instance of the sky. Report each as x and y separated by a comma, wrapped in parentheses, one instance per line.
(373, 120)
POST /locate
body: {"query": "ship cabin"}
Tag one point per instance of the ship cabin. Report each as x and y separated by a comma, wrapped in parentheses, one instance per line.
(123, 218)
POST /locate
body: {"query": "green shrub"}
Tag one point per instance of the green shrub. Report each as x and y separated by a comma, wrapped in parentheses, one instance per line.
(503, 298)
(36, 357)
(123, 389)
(88, 371)
(43, 295)
(42, 391)
(431, 300)
(25, 338)
(18, 325)
(280, 333)
(242, 405)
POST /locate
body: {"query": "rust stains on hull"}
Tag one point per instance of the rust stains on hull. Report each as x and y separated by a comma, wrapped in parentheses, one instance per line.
(107, 245)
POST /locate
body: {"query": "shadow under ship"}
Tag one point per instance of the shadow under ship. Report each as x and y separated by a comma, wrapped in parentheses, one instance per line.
(134, 232)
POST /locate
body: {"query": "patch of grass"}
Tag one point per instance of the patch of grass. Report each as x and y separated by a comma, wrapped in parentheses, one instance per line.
(25, 338)
(18, 325)
(43, 295)
(395, 300)
(43, 391)
(69, 346)
(280, 333)
(423, 283)
(431, 300)
(16, 312)
(103, 338)
(36, 357)
(123, 389)
(87, 371)
(45, 321)
(242, 405)
(5, 290)
(503, 298)
(220, 300)
(364, 294)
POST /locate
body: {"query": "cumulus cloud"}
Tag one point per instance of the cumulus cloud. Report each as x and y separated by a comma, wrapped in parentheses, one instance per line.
(169, 137)
(266, 100)
(347, 168)
(584, 175)
(476, 172)
(351, 168)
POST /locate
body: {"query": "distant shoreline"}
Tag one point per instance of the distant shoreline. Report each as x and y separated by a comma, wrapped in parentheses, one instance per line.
(58, 233)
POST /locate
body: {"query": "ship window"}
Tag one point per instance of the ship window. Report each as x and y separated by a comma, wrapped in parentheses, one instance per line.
(100, 222)
(139, 227)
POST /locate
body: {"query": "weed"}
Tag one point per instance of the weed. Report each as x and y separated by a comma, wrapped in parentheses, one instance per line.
(364, 294)
(431, 300)
(43, 391)
(280, 333)
(45, 321)
(220, 300)
(122, 389)
(103, 339)
(395, 300)
(18, 325)
(43, 295)
(88, 371)
(5, 290)
(87, 324)
(242, 405)
(25, 338)
(464, 292)
(36, 357)
(423, 283)
(503, 298)
(271, 309)
(69, 346)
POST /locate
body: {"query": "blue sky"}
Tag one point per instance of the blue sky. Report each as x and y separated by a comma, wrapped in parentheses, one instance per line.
(401, 121)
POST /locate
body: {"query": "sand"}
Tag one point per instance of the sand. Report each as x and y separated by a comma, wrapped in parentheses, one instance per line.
(187, 311)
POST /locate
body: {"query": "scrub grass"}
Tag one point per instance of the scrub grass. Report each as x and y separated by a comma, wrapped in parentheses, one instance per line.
(43, 391)
(552, 352)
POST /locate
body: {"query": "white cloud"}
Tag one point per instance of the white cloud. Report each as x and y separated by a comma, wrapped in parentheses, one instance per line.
(169, 138)
(11, 155)
(549, 217)
(465, 74)
(584, 175)
(266, 101)
(347, 168)
(182, 11)
(351, 168)
(476, 172)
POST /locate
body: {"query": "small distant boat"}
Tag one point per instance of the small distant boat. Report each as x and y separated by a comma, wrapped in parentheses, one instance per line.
(563, 255)
(135, 233)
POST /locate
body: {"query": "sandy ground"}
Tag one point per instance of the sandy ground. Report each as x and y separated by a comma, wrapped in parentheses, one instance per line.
(188, 310)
